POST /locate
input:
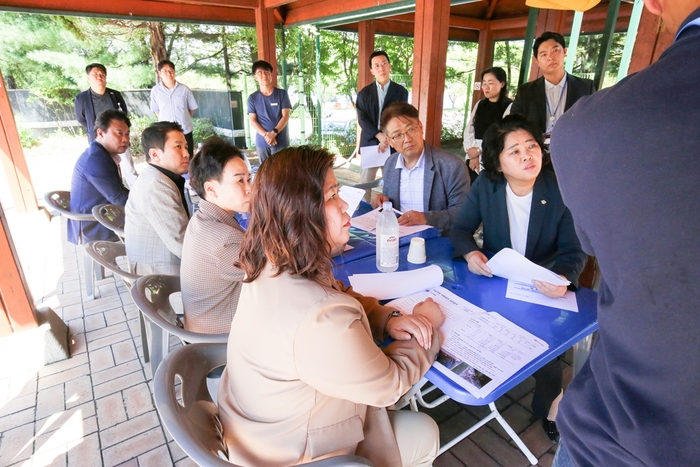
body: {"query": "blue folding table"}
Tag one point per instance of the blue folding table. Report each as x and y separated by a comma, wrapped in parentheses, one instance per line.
(560, 329)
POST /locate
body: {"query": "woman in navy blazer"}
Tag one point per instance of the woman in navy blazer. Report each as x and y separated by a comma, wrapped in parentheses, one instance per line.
(513, 160)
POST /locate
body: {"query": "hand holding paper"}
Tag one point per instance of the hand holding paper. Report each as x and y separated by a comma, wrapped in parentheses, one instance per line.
(372, 156)
(510, 264)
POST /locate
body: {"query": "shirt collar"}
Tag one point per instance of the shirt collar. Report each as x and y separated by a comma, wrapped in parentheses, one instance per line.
(177, 179)
(386, 86)
(211, 209)
(548, 86)
(419, 165)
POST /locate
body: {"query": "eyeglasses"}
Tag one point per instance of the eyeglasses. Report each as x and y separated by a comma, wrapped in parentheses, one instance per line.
(263, 73)
(380, 65)
(400, 137)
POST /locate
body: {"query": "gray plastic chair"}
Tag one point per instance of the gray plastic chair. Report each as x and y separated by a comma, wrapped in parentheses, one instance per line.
(60, 201)
(105, 254)
(151, 294)
(193, 421)
(112, 217)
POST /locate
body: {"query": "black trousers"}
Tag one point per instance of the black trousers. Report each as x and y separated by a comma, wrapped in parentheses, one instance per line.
(548, 384)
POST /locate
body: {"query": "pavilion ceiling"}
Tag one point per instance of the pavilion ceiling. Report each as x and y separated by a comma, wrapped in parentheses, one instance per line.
(506, 18)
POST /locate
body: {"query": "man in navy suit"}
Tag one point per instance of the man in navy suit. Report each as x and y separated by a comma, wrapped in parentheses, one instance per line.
(371, 100)
(544, 100)
(96, 177)
(634, 402)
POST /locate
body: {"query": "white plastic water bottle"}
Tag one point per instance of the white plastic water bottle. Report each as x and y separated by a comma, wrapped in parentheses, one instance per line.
(387, 239)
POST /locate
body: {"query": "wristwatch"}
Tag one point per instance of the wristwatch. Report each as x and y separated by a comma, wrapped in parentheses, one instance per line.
(277, 132)
(395, 314)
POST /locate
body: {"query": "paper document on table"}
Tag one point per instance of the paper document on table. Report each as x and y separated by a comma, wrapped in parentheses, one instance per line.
(511, 265)
(352, 196)
(384, 286)
(481, 349)
(371, 157)
(529, 293)
(368, 223)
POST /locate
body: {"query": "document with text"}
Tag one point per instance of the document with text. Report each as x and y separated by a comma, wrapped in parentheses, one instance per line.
(529, 293)
(481, 349)
(368, 223)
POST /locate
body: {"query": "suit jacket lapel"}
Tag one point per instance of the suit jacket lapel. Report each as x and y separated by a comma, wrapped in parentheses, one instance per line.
(428, 176)
(501, 213)
(538, 211)
(392, 177)
(541, 102)
(572, 91)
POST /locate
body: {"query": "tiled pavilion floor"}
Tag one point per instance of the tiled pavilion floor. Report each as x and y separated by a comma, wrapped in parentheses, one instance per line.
(96, 408)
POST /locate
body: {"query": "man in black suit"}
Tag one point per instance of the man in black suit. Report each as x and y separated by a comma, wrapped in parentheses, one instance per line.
(546, 99)
(371, 100)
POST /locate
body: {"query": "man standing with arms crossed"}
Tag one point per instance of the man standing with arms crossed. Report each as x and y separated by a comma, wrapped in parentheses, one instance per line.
(627, 163)
(371, 100)
(174, 102)
(269, 109)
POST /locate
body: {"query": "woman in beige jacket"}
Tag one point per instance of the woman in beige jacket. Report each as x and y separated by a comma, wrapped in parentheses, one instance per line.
(304, 379)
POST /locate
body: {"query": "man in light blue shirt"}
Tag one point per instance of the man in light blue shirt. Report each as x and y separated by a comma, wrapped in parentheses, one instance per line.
(174, 102)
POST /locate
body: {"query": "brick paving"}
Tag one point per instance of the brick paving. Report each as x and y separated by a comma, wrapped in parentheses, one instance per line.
(96, 408)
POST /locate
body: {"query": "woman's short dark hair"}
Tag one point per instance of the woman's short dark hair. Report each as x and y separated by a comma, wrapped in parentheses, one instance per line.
(501, 76)
(495, 138)
(287, 216)
(104, 119)
(209, 162)
(155, 135)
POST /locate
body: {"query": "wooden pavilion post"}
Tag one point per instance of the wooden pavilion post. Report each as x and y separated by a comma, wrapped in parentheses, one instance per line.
(265, 31)
(484, 59)
(365, 36)
(12, 156)
(652, 39)
(432, 24)
(16, 309)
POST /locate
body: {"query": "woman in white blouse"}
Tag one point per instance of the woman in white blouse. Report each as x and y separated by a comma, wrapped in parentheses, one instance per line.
(518, 201)
(487, 111)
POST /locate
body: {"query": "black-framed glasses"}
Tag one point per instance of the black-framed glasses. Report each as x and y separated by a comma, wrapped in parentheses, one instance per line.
(400, 137)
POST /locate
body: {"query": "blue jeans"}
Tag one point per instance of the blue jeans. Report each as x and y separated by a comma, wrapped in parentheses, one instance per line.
(562, 458)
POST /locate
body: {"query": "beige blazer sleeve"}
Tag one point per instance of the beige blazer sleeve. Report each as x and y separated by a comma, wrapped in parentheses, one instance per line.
(335, 353)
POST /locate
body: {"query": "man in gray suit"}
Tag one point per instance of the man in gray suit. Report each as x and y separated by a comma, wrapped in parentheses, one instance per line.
(428, 184)
(156, 212)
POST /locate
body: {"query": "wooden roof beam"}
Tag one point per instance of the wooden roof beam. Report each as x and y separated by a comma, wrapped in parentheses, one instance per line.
(329, 8)
(138, 9)
(277, 3)
(492, 8)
